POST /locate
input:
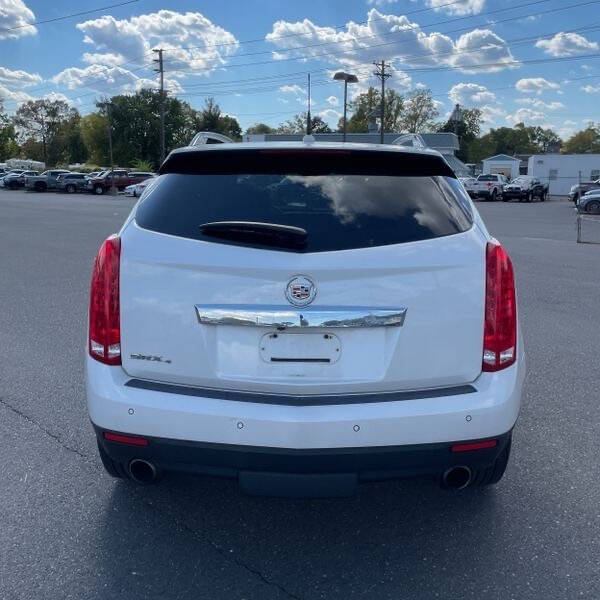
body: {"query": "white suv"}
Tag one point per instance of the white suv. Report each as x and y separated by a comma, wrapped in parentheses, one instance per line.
(304, 317)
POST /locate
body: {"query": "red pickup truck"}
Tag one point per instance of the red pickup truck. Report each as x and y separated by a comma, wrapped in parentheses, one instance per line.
(121, 178)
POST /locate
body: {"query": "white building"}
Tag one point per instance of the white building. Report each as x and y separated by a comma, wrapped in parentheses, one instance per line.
(561, 171)
(502, 164)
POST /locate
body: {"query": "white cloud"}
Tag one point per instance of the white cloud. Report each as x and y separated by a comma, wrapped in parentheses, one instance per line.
(567, 44)
(292, 89)
(15, 15)
(570, 123)
(359, 43)
(482, 46)
(329, 114)
(540, 104)
(193, 41)
(591, 89)
(380, 2)
(333, 101)
(526, 115)
(492, 113)
(471, 94)
(19, 78)
(466, 7)
(535, 84)
(103, 58)
(102, 78)
(7, 94)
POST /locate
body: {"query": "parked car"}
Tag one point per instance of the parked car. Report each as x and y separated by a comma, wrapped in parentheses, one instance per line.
(469, 183)
(137, 189)
(93, 174)
(11, 173)
(581, 188)
(489, 187)
(274, 313)
(121, 177)
(16, 179)
(71, 182)
(525, 188)
(44, 182)
(589, 202)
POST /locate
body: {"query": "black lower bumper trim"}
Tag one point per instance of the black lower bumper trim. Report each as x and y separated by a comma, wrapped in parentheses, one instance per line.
(277, 464)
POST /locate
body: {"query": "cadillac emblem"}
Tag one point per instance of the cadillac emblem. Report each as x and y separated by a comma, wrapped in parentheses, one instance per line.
(300, 291)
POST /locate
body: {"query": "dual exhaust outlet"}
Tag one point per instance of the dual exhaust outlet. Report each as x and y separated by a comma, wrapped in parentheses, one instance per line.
(142, 471)
(145, 473)
(457, 478)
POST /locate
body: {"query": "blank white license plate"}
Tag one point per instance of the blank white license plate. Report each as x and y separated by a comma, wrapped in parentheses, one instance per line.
(324, 348)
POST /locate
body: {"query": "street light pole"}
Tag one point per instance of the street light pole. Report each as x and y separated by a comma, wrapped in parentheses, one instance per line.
(346, 78)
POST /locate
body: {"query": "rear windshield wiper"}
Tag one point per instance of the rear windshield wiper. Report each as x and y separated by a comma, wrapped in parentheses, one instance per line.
(269, 234)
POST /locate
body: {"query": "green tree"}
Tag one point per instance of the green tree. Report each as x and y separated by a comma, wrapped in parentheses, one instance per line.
(366, 103)
(94, 131)
(260, 128)
(467, 129)
(419, 112)
(519, 139)
(297, 124)
(44, 121)
(8, 136)
(210, 118)
(584, 141)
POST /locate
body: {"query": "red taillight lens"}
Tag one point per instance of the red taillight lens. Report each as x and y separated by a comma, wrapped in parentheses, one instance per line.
(105, 323)
(500, 330)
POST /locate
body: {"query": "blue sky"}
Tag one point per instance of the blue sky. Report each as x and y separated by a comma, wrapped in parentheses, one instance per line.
(517, 60)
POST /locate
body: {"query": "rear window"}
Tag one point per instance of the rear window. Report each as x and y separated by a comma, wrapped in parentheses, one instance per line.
(338, 212)
(487, 178)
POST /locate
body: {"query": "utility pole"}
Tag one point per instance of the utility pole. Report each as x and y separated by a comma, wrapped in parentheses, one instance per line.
(161, 72)
(107, 106)
(381, 74)
(308, 117)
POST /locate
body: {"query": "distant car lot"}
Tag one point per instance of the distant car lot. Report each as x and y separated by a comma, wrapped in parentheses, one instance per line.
(531, 537)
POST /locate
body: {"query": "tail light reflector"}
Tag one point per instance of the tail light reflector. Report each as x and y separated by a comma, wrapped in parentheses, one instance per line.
(500, 329)
(125, 439)
(105, 323)
(474, 446)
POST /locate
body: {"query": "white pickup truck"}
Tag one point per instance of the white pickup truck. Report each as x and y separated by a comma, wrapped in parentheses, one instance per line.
(489, 187)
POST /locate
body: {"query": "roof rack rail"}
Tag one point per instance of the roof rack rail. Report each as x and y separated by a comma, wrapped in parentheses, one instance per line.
(208, 137)
(413, 140)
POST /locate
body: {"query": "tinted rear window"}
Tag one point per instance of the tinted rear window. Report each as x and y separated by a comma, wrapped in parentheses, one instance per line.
(338, 212)
(487, 178)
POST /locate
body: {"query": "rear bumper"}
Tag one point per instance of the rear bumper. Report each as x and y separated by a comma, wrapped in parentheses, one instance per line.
(412, 419)
(276, 466)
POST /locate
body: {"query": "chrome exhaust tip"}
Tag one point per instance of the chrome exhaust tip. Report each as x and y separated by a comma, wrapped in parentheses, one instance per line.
(457, 478)
(142, 471)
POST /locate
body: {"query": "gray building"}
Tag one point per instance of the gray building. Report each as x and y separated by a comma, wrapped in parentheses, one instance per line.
(444, 143)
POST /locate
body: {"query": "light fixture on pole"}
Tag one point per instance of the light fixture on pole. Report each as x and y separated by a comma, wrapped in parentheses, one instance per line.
(346, 78)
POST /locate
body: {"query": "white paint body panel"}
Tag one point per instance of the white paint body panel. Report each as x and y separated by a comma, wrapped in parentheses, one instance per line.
(440, 282)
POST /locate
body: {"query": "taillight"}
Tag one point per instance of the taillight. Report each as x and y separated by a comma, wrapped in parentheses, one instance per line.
(105, 323)
(500, 329)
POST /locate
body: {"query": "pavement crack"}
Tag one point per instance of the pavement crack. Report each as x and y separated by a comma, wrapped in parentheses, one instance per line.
(33, 422)
(226, 555)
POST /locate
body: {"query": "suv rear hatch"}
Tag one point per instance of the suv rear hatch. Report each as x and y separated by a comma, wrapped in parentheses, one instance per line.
(377, 247)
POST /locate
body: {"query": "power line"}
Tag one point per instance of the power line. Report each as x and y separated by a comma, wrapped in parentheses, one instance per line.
(402, 31)
(79, 14)
(368, 47)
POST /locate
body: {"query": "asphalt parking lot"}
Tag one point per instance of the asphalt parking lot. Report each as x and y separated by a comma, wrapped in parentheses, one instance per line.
(67, 530)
